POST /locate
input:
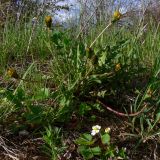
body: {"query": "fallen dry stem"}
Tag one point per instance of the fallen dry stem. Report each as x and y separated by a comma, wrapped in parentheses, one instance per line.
(8, 150)
(120, 113)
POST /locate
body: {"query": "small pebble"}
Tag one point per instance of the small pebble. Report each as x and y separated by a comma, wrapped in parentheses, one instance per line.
(23, 133)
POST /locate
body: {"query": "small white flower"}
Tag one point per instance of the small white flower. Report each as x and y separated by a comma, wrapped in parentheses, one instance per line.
(95, 130)
(18, 16)
(34, 20)
(107, 130)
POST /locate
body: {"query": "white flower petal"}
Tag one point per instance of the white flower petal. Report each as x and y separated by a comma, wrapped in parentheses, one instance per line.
(99, 127)
(96, 127)
(93, 133)
(93, 127)
(97, 131)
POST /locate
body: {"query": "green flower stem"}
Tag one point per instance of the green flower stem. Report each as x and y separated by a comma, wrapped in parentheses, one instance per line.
(100, 34)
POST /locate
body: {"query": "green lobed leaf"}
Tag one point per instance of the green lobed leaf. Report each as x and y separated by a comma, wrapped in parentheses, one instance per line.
(96, 150)
(105, 138)
(85, 152)
(85, 139)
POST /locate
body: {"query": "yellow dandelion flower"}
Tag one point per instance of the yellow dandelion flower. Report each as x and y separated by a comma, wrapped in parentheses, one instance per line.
(48, 21)
(117, 67)
(150, 92)
(94, 59)
(89, 52)
(116, 16)
(12, 73)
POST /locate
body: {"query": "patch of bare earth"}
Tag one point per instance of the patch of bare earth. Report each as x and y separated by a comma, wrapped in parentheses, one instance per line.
(17, 147)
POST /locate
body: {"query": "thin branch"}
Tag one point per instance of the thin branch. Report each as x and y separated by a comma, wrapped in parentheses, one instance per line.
(120, 113)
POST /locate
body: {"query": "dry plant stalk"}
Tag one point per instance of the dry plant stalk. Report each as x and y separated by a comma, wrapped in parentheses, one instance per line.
(9, 152)
(120, 113)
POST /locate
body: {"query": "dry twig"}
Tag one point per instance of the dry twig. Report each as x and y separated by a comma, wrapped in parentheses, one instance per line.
(120, 113)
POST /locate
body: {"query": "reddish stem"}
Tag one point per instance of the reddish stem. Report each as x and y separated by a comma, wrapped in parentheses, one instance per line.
(120, 113)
